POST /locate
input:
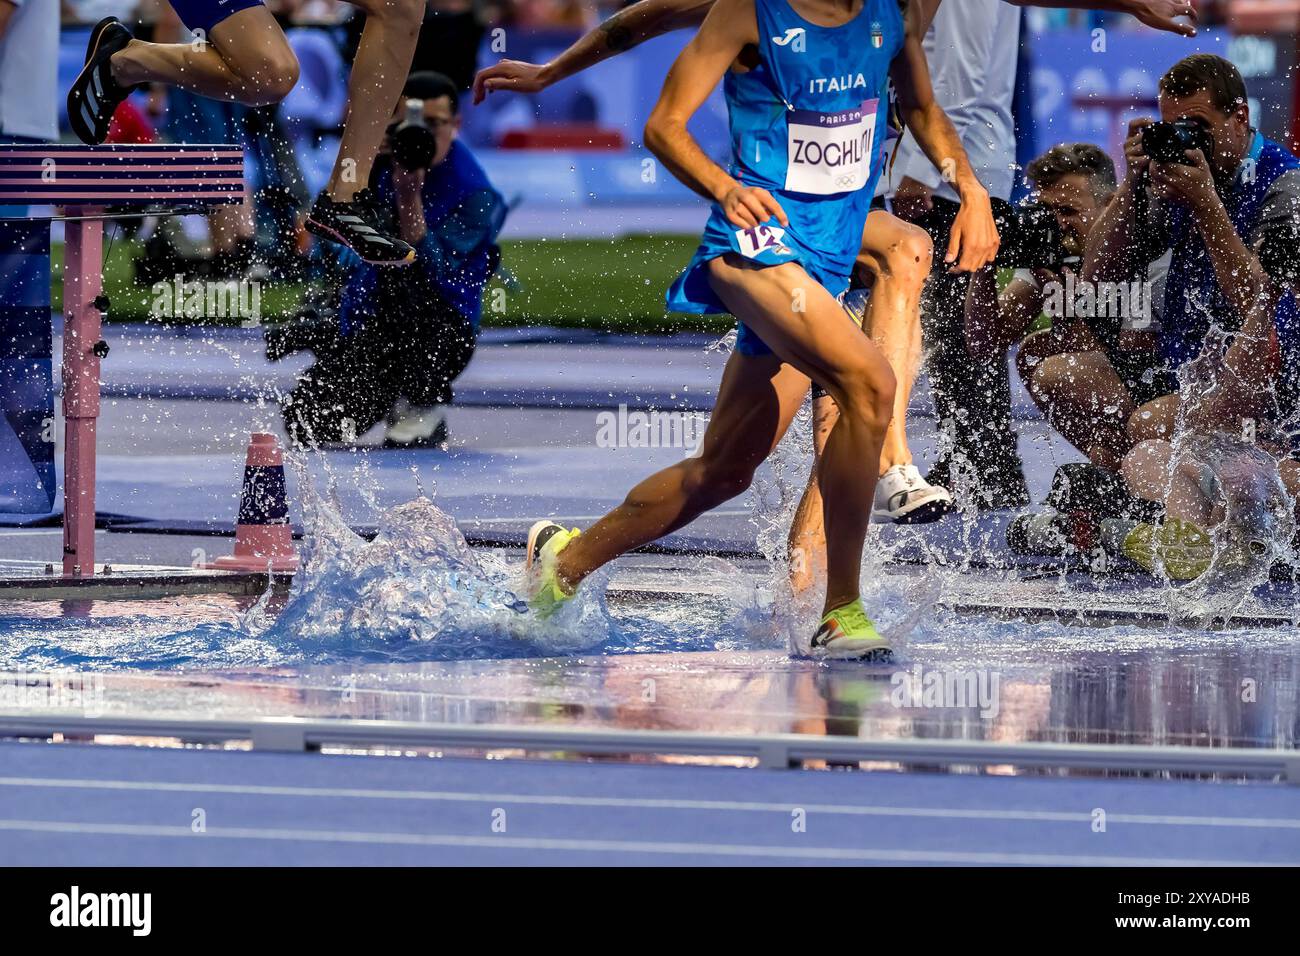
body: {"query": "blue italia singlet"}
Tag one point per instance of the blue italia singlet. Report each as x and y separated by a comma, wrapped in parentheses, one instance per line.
(808, 125)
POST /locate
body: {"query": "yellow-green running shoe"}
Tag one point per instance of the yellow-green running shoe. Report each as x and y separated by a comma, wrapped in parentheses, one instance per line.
(546, 540)
(847, 633)
(1183, 548)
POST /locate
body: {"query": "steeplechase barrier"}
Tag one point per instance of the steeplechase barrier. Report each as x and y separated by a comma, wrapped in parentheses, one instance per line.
(88, 185)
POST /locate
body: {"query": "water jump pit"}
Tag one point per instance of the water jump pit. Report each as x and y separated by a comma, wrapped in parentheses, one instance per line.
(655, 720)
(409, 623)
(660, 727)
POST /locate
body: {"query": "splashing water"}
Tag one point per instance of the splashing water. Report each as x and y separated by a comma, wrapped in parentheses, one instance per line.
(1255, 532)
(1253, 515)
(419, 583)
(897, 604)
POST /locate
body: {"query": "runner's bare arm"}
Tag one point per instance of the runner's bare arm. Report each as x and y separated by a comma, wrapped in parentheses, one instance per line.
(1254, 359)
(6, 11)
(1248, 369)
(974, 239)
(1154, 13)
(920, 14)
(730, 26)
(629, 27)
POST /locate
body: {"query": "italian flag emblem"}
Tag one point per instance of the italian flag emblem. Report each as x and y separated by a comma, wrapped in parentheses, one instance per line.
(877, 35)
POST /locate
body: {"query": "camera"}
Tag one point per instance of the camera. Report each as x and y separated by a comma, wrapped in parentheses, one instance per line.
(1279, 253)
(1167, 142)
(413, 143)
(1031, 239)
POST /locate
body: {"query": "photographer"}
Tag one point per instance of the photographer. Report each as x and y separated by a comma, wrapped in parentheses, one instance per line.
(1220, 497)
(1078, 382)
(1233, 475)
(1206, 187)
(1224, 203)
(403, 333)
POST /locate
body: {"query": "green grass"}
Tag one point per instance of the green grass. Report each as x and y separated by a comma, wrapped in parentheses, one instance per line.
(616, 286)
(129, 302)
(609, 285)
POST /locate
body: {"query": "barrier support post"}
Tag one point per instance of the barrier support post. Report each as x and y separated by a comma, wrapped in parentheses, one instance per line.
(82, 285)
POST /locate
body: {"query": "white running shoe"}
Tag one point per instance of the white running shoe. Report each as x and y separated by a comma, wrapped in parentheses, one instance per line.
(903, 496)
(417, 425)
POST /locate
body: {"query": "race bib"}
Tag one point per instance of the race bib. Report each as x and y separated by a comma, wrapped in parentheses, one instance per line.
(830, 153)
(766, 243)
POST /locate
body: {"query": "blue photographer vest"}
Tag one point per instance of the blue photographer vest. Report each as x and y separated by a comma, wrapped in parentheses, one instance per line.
(1192, 293)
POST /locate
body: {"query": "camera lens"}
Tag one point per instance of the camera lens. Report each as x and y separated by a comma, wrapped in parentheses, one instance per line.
(413, 146)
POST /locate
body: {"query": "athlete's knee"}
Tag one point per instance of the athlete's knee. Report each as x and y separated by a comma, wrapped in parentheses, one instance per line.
(284, 67)
(866, 390)
(908, 258)
(716, 478)
(266, 75)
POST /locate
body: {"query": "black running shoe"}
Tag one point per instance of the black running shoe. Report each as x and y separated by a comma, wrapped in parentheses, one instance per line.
(355, 224)
(95, 95)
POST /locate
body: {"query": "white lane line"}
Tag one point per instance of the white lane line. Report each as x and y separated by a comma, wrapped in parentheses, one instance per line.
(600, 846)
(641, 803)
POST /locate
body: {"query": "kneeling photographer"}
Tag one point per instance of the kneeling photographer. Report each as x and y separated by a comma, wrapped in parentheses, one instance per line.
(1087, 353)
(1206, 188)
(393, 340)
(1222, 201)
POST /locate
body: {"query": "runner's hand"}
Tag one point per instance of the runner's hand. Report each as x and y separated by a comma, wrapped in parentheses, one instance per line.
(1161, 13)
(974, 239)
(749, 206)
(513, 75)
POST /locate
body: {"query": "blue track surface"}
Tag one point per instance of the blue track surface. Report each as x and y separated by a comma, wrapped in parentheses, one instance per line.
(76, 805)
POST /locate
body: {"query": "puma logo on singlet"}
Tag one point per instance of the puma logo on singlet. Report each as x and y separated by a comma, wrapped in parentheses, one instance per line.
(790, 34)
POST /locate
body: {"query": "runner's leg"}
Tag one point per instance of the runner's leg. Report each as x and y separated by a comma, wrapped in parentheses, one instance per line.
(896, 255)
(817, 341)
(807, 542)
(245, 58)
(758, 398)
(379, 72)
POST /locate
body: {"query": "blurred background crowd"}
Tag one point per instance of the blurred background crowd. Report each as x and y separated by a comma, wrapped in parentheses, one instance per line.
(568, 158)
